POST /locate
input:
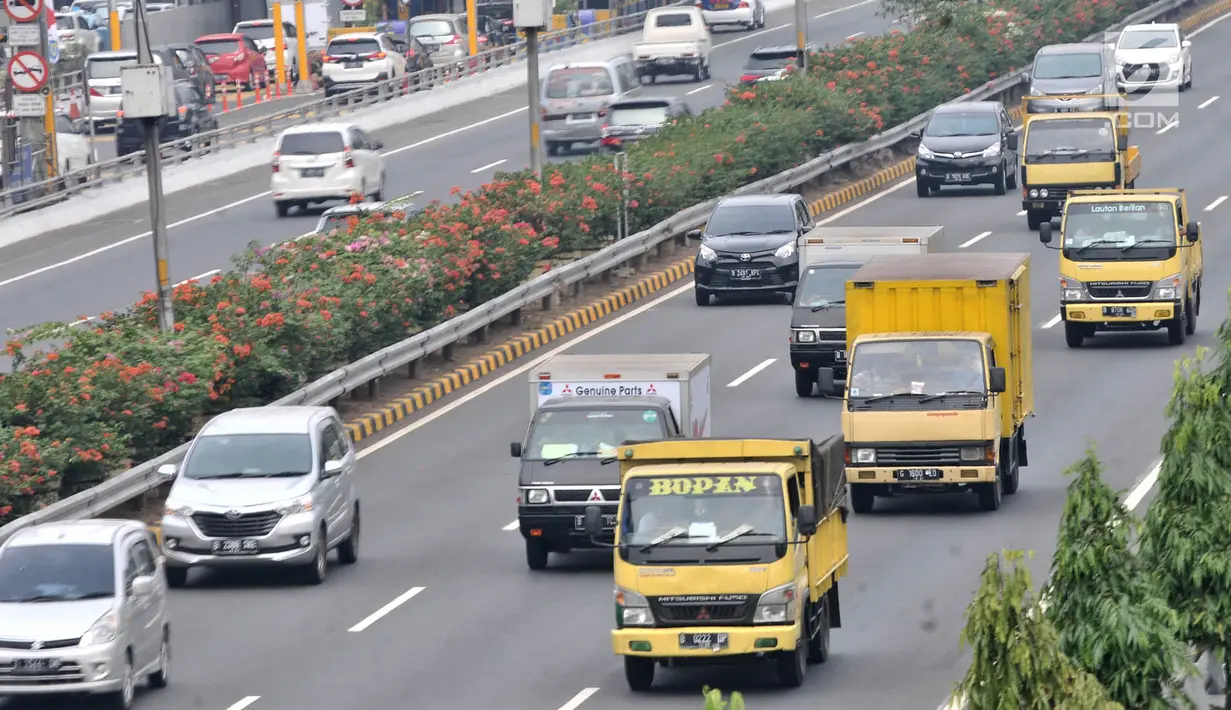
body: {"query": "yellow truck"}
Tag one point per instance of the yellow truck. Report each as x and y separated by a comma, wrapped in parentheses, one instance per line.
(1067, 151)
(1129, 261)
(939, 383)
(727, 550)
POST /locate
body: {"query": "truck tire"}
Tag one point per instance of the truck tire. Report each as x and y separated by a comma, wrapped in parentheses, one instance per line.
(1074, 333)
(639, 672)
(1190, 318)
(1034, 219)
(818, 642)
(989, 495)
(1013, 480)
(863, 498)
(792, 666)
(1176, 330)
(803, 383)
(536, 555)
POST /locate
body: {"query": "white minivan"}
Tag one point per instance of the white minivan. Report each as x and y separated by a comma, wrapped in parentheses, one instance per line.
(325, 162)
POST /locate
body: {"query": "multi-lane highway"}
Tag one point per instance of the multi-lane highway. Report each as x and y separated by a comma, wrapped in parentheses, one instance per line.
(441, 611)
(106, 263)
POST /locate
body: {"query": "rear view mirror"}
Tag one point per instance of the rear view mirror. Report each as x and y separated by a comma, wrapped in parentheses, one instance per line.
(332, 468)
(168, 470)
(806, 517)
(997, 377)
(1122, 142)
(1192, 230)
(142, 586)
(515, 449)
(1011, 141)
(594, 521)
(693, 234)
(1186, 43)
(1045, 232)
(378, 145)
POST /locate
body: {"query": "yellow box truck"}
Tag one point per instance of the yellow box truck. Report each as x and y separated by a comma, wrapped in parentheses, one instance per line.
(727, 550)
(940, 380)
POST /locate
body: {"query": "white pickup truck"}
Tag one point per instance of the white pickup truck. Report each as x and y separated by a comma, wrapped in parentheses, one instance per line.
(674, 41)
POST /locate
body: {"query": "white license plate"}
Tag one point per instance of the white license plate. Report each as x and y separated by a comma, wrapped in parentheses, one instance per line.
(958, 177)
(580, 117)
(609, 522)
(35, 666)
(234, 547)
(711, 641)
(353, 65)
(313, 172)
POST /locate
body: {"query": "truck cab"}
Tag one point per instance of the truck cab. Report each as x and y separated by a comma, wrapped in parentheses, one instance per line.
(1066, 151)
(1130, 261)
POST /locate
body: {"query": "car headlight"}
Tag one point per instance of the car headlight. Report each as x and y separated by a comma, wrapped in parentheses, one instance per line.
(632, 609)
(864, 456)
(786, 251)
(1168, 289)
(1173, 58)
(537, 496)
(1072, 289)
(992, 151)
(176, 509)
(1043, 192)
(925, 152)
(102, 631)
(707, 254)
(299, 505)
(777, 606)
(805, 336)
(974, 453)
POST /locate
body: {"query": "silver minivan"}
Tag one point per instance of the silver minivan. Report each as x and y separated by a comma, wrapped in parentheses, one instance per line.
(1085, 68)
(83, 610)
(263, 486)
(576, 98)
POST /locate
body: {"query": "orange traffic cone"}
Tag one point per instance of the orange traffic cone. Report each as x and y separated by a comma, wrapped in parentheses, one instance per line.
(74, 111)
(256, 92)
(239, 96)
(224, 102)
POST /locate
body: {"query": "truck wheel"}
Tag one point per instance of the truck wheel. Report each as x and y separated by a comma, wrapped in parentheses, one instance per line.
(1176, 330)
(862, 498)
(639, 672)
(803, 383)
(536, 555)
(818, 643)
(792, 666)
(1190, 318)
(989, 495)
(1074, 333)
(1012, 481)
(1034, 219)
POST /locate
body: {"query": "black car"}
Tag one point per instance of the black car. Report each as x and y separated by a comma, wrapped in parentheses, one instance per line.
(194, 115)
(635, 119)
(196, 65)
(766, 62)
(967, 144)
(501, 12)
(818, 326)
(488, 32)
(748, 246)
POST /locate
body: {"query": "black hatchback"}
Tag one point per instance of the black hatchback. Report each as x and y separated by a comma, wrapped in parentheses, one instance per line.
(193, 116)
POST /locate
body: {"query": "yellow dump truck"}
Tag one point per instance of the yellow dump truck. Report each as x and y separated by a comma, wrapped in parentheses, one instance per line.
(1129, 261)
(939, 383)
(1067, 151)
(727, 550)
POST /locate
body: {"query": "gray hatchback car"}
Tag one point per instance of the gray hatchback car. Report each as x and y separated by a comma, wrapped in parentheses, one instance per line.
(83, 610)
(263, 486)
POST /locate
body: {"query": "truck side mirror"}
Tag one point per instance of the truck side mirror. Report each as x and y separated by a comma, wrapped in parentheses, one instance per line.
(594, 521)
(1045, 232)
(515, 449)
(693, 234)
(1192, 230)
(1011, 141)
(1121, 142)
(806, 517)
(997, 377)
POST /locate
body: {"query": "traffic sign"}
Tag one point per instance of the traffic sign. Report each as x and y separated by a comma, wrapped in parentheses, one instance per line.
(29, 105)
(28, 71)
(23, 35)
(352, 3)
(352, 15)
(23, 10)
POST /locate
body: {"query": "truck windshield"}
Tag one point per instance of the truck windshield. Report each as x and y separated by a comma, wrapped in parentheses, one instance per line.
(706, 512)
(590, 433)
(824, 286)
(1119, 231)
(1070, 140)
(914, 370)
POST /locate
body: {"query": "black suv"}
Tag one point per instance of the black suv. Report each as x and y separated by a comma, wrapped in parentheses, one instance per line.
(967, 144)
(748, 246)
(818, 326)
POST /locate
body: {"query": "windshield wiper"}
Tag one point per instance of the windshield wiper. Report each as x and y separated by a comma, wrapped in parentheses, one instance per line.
(1095, 243)
(1151, 240)
(829, 304)
(672, 534)
(282, 474)
(742, 531)
(755, 233)
(219, 475)
(878, 398)
(934, 397)
(571, 455)
(36, 598)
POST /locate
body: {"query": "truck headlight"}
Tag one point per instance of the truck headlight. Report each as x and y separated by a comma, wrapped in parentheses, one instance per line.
(1043, 192)
(707, 254)
(299, 505)
(102, 631)
(1033, 194)
(992, 151)
(975, 453)
(777, 606)
(537, 496)
(786, 251)
(1168, 289)
(925, 152)
(1072, 289)
(632, 609)
(864, 456)
(805, 336)
(177, 509)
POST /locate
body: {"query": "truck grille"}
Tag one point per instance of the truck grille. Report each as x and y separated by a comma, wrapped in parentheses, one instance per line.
(1116, 290)
(691, 613)
(582, 495)
(28, 645)
(246, 525)
(912, 456)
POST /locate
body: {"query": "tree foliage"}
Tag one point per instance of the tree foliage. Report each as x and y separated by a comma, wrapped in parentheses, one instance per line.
(1187, 536)
(1105, 603)
(715, 701)
(1018, 664)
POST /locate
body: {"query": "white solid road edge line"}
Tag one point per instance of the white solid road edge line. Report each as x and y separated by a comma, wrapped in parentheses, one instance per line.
(200, 277)
(974, 240)
(386, 609)
(578, 699)
(751, 373)
(1214, 205)
(245, 702)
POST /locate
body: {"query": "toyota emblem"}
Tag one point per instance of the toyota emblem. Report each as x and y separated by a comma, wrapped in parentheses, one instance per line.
(745, 257)
(36, 645)
(233, 515)
(957, 155)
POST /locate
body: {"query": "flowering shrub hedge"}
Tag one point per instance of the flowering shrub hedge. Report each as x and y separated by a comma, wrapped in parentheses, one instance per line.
(120, 391)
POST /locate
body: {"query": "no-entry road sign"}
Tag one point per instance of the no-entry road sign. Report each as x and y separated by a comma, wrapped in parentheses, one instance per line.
(23, 10)
(28, 72)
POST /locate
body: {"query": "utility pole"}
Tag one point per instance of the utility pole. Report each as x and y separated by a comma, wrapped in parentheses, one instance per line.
(801, 33)
(153, 173)
(535, 103)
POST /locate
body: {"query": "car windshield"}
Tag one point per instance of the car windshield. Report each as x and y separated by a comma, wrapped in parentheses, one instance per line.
(578, 83)
(916, 367)
(65, 22)
(947, 125)
(249, 455)
(52, 573)
(353, 47)
(1068, 66)
(1149, 39)
(496, 11)
(639, 115)
(1058, 137)
(432, 28)
(702, 509)
(257, 32)
(108, 68)
(822, 285)
(770, 61)
(590, 433)
(1094, 229)
(312, 143)
(218, 46)
(750, 219)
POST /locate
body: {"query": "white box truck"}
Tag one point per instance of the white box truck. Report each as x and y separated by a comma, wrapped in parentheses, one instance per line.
(827, 258)
(582, 408)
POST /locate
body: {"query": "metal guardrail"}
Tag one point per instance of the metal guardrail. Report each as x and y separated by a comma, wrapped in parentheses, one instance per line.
(34, 196)
(144, 478)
